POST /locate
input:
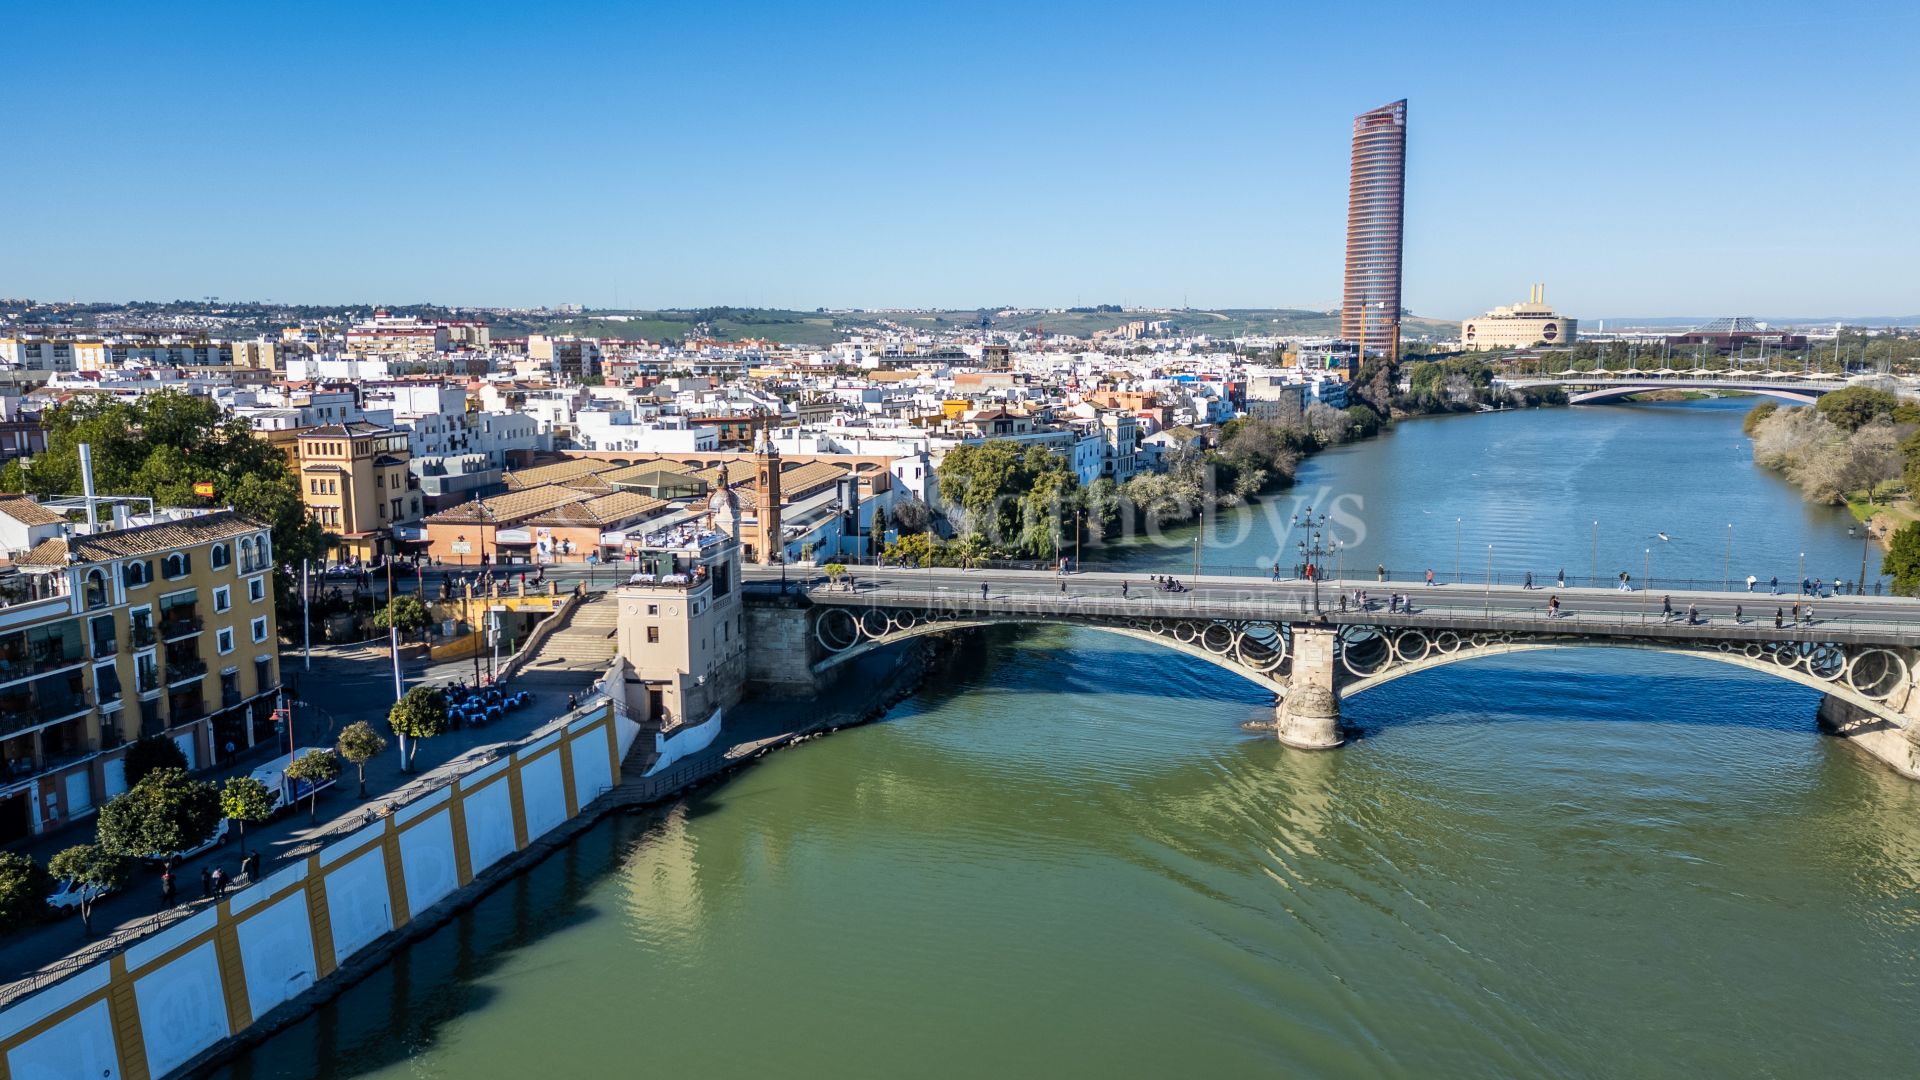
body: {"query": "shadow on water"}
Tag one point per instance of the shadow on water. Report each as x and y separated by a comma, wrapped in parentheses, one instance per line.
(401, 1010)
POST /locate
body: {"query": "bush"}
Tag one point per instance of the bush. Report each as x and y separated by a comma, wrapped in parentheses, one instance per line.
(151, 753)
(1903, 560)
(166, 812)
(24, 885)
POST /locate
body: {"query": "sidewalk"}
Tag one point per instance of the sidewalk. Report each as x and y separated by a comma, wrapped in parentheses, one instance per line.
(335, 692)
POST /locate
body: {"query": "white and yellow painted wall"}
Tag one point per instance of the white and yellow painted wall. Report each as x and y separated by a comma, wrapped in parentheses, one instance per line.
(159, 1004)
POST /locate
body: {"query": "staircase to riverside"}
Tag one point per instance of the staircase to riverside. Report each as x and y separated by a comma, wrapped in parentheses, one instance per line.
(584, 643)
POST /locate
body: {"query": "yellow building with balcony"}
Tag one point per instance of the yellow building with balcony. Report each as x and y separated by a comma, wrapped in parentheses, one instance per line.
(355, 481)
(163, 629)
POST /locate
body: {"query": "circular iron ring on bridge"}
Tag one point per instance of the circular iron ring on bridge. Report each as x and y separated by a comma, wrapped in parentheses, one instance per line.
(1411, 646)
(902, 621)
(873, 623)
(1218, 638)
(1364, 650)
(1261, 646)
(1447, 642)
(1877, 673)
(1184, 633)
(836, 630)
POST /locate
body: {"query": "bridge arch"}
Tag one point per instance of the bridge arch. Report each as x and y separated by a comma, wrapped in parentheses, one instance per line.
(1880, 681)
(1264, 668)
(1609, 393)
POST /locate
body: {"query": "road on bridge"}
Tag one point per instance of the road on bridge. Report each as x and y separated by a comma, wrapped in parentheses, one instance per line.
(1877, 619)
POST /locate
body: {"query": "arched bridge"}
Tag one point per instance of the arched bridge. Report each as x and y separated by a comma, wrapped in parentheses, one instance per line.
(1861, 653)
(1584, 388)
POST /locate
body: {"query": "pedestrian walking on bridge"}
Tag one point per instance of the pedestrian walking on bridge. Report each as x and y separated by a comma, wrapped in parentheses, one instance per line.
(1429, 575)
(1553, 607)
(1380, 572)
(1123, 590)
(1773, 585)
(983, 590)
(1666, 609)
(1750, 582)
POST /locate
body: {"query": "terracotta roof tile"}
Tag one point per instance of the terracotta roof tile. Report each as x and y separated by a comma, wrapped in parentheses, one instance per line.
(143, 539)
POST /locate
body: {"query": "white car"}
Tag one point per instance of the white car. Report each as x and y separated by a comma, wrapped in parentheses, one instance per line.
(66, 895)
(180, 857)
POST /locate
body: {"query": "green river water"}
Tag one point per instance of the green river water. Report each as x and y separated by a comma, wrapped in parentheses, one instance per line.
(1064, 858)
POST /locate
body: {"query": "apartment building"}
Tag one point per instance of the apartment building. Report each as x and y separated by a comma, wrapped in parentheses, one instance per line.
(355, 481)
(162, 628)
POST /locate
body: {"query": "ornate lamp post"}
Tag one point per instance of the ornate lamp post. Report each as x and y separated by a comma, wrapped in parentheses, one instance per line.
(1867, 532)
(1310, 554)
(1306, 519)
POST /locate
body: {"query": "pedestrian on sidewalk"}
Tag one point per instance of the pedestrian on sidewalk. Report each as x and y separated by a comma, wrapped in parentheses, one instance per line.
(1123, 590)
(1429, 576)
(1528, 584)
(573, 702)
(1751, 580)
(1380, 572)
(1779, 618)
(1560, 579)
(1666, 609)
(219, 880)
(1773, 585)
(250, 866)
(166, 888)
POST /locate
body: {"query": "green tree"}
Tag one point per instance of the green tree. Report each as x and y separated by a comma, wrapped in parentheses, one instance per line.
(149, 753)
(359, 744)
(406, 613)
(314, 768)
(166, 812)
(244, 799)
(1756, 415)
(160, 446)
(1857, 406)
(421, 714)
(94, 869)
(1903, 560)
(24, 885)
(914, 549)
(835, 571)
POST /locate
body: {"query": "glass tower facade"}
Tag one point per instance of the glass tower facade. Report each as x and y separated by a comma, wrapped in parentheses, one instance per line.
(1376, 200)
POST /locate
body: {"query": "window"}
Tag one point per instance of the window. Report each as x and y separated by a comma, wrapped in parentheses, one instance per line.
(653, 609)
(653, 635)
(176, 565)
(257, 589)
(260, 629)
(262, 674)
(106, 684)
(137, 573)
(97, 588)
(261, 551)
(221, 555)
(225, 640)
(222, 598)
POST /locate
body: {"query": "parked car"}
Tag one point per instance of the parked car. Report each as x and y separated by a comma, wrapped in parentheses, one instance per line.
(274, 775)
(66, 895)
(178, 857)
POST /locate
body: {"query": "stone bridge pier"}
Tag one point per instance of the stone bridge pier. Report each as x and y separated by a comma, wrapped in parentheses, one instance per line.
(1308, 717)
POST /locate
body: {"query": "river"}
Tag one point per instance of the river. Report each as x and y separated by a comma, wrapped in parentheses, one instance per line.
(1064, 857)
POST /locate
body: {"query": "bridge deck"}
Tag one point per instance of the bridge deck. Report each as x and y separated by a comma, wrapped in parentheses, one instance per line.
(1463, 608)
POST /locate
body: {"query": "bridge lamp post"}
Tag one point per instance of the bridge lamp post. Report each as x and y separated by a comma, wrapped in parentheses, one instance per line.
(1866, 533)
(1308, 520)
(1646, 585)
(1726, 571)
(1310, 554)
(1456, 549)
(1489, 580)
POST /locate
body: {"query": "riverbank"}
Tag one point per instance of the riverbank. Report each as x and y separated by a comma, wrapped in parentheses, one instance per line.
(867, 690)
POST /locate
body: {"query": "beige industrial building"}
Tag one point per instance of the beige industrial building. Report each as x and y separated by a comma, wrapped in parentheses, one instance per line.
(1520, 326)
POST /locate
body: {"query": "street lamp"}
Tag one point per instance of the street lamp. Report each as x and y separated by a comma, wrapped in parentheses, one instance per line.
(1308, 520)
(1866, 533)
(1309, 554)
(1593, 575)
(1726, 571)
(1456, 549)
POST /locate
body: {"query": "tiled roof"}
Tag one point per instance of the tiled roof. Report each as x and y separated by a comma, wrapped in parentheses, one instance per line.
(143, 540)
(341, 431)
(559, 472)
(26, 511)
(621, 506)
(508, 509)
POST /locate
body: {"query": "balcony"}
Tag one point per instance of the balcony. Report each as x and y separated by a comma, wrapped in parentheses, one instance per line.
(105, 646)
(181, 671)
(146, 681)
(175, 627)
(143, 635)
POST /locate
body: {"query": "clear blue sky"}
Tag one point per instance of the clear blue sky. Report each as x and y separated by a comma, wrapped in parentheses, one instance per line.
(1641, 158)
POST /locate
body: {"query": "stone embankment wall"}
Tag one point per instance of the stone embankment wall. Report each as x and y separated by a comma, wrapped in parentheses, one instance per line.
(168, 999)
(780, 663)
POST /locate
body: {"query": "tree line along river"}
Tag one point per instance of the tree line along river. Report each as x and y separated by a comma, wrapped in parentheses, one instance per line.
(1064, 857)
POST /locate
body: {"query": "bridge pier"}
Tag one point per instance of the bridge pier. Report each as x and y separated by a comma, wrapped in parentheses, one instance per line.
(1308, 718)
(1897, 747)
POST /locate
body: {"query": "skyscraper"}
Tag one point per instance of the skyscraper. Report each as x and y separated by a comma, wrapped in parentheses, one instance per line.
(1376, 201)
